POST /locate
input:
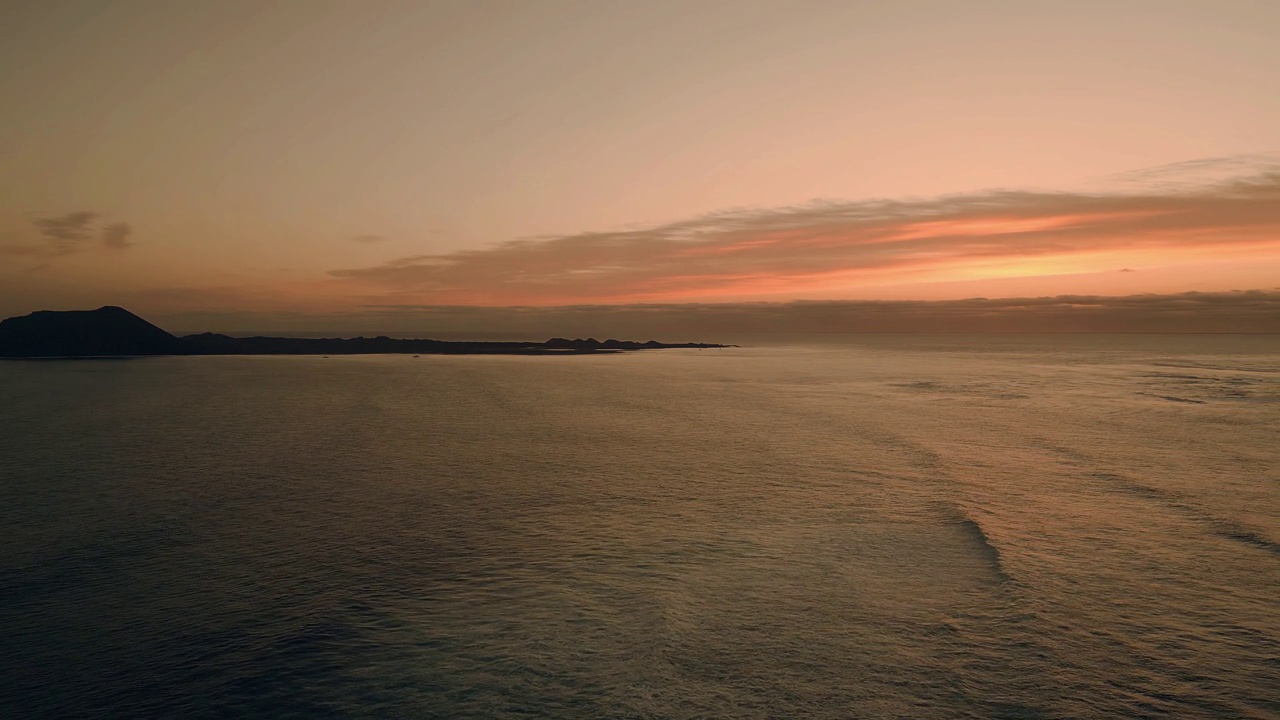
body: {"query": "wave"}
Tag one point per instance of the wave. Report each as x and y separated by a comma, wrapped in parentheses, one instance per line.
(981, 542)
(1221, 527)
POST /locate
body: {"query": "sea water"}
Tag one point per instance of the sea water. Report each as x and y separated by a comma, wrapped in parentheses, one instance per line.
(838, 527)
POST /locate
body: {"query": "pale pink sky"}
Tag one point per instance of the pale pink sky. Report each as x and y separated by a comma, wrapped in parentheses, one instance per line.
(325, 157)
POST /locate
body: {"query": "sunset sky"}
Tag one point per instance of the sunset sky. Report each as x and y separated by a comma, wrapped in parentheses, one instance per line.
(420, 166)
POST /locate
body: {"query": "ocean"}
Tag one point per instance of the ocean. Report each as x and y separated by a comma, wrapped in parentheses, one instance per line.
(846, 526)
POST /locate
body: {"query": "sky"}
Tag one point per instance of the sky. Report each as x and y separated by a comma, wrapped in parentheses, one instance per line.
(490, 165)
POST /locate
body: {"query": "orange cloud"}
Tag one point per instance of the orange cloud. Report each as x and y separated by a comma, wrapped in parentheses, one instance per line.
(1006, 225)
(818, 249)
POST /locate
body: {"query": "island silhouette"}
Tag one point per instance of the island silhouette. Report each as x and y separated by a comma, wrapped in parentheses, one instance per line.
(112, 331)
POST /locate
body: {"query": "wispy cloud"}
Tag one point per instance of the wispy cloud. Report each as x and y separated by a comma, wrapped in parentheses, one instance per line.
(66, 233)
(116, 236)
(71, 233)
(1198, 173)
(816, 250)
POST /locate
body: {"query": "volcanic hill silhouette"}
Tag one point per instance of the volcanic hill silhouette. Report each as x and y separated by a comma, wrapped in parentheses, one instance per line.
(109, 330)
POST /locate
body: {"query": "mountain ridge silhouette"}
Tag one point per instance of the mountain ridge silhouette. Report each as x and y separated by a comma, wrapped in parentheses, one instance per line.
(112, 331)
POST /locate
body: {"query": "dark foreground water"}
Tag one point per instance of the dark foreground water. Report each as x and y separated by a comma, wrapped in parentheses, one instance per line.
(923, 527)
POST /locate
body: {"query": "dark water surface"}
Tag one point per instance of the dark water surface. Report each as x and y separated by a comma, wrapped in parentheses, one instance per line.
(924, 527)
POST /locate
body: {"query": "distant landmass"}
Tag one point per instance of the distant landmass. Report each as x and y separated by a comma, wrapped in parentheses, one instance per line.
(114, 332)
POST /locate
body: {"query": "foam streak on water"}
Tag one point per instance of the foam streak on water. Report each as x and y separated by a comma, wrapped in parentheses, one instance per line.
(934, 527)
